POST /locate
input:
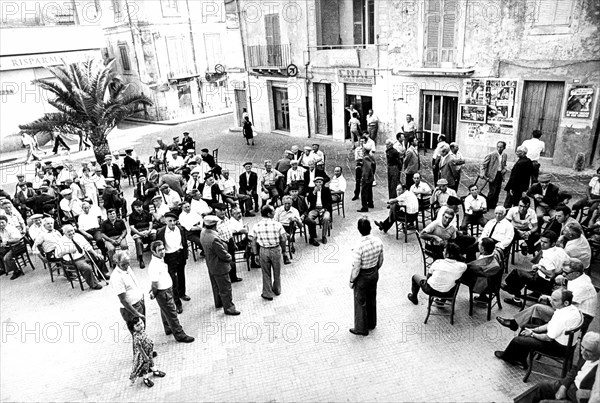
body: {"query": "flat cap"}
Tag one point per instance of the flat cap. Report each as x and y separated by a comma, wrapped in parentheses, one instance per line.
(157, 197)
(247, 163)
(544, 178)
(318, 178)
(171, 215)
(204, 150)
(66, 192)
(36, 216)
(211, 220)
(442, 182)
(220, 206)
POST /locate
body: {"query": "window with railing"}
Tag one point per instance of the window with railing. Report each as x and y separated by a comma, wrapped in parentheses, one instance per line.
(274, 53)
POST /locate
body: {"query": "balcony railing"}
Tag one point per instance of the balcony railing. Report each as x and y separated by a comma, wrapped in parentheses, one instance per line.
(268, 56)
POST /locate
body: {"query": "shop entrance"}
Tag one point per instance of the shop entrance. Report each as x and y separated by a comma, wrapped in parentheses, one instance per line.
(361, 102)
(439, 111)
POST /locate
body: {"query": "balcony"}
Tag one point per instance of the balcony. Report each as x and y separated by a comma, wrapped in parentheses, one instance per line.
(268, 56)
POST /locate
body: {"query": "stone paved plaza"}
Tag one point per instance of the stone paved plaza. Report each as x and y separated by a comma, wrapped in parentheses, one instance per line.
(61, 344)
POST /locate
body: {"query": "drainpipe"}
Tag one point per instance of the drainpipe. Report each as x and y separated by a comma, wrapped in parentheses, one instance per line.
(198, 82)
(237, 7)
(306, 65)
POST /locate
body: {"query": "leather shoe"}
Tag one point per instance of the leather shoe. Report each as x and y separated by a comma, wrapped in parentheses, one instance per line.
(236, 280)
(142, 264)
(168, 332)
(267, 298)
(355, 198)
(324, 240)
(158, 374)
(286, 260)
(154, 354)
(511, 301)
(186, 339)
(354, 331)
(314, 242)
(16, 274)
(509, 323)
(180, 310)
(96, 287)
(233, 312)
(370, 205)
(2, 272)
(185, 298)
(363, 210)
(378, 223)
(412, 298)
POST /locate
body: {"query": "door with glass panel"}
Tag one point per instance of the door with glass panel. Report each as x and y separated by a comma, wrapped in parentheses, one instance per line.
(438, 116)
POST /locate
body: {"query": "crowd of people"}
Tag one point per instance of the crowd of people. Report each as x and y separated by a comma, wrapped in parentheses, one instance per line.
(186, 202)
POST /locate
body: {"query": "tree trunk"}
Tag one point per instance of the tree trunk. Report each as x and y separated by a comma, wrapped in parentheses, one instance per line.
(101, 149)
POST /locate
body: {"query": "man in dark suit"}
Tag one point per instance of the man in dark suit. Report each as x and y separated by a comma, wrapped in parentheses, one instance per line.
(215, 190)
(545, 196)
(187, 143)
(248, 186)
(518, 182)
(492, 170)
(580, 377)
(310, 174)
(412, 162)
(210, 160)
(366, 182)
(174, 237)
(145, 191)
(111, 170)
(131, 166)
(218, 262)
(482, 272)
(319, 205)
(23, 194)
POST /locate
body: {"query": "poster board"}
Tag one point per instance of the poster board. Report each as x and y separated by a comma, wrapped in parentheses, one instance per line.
(579, 102)
(470, 113)
(497, 94)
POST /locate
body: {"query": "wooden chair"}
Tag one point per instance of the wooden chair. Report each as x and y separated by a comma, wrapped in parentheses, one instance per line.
(450, 295)
(193, 248)
(425, 206)
(20, 255)
(426, 254)
(564, 362)
(241, 255)
(215, 154)
(402, 225)
(339, 204)
(51, 265)
(495, 281)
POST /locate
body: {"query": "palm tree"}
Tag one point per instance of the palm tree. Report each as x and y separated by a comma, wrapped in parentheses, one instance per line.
(89, 98)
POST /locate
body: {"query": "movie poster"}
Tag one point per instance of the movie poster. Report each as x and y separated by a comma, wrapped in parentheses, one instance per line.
(500, 98)
(579, 103)
(473, 92)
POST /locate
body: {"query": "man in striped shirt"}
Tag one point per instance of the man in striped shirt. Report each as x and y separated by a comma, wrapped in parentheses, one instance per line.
(367, 258)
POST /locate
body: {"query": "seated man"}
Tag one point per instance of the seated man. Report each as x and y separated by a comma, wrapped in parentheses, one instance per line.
(283, 165)
(525, 224)
(545, 196)
(541, 275)
(337, 185)
(420, 188)
(88, 224)
(171, 198)
(442, 275)
(198, 205)
(441, 193)
(591, 199)
(501, 231)
(175, 161)
(226, 234)
(318, 157)
(319, 206)
(69, 206)
(13, 217)
(562, 217)
(575, 244)
(295, 177)
(269, 181)
(440, 232)
(193, 183)
(404, 205)
(192, 222)
(145, 191)
(48, 240)
(140, 222)
(22, 196)
(35, 228)
(580, 377)
(209, 190)
(8, 235)
(475, 208)
(75, 249)
(310, 174)
(228, 190)
(113, 232)
(131, 165)
(306, 157)
(585, 298)
(549, 338)
(482, 272)
(289, 217)
(248, 182)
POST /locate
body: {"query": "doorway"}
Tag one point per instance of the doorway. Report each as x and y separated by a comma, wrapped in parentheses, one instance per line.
(184, 94)
(281, 109)
(242, 105)
(362, 103)
(541, 107)
(439, 112)
(323, 106)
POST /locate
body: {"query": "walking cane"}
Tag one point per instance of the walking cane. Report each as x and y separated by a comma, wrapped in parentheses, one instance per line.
(486, 183)
(97, 270)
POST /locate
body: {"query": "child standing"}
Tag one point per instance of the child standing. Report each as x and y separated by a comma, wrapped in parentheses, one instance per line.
(143, 347)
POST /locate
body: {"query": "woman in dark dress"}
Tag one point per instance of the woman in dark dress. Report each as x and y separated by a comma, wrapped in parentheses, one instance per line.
(247, 130)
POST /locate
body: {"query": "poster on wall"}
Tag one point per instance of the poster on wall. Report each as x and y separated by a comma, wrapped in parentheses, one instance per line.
(472, 113)
(473, 92)
(579, 103)
(500, 98)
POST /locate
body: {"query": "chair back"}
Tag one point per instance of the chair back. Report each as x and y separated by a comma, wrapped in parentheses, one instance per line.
(18, 248)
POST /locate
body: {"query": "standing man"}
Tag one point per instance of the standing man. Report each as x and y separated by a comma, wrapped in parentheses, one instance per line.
(226, 235)
(409, 129)
(162, 291)
(492, 170)
(367, 259)
(366, 182)
(218, 263)
(174, 239)
(127, 287)
(354, 125)
(412, 162)
(393, 167)
(359, 154)
(372, 125)
(535, 147)
(518, 182)
(271, 237)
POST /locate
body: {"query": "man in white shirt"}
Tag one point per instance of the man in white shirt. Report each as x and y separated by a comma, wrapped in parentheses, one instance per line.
(193, 183)
(295, 177)
(289, 217)
(499, 229)
(535, 147)
(198, 205)
(202, 168)
(8, 235)
(174, 160)
(419, 187)
(337, 184)
(171, 199)
(549, 338)
(228, 188)
(192, 222)
(160, 209)
(306, 157)
(525, 222)
(36, 226)
(359, 155)
(475, 207)
(442, 192)
(372, 124)
(575, 244)
(88, 223)
(128, 288)
(443, 274)
(405, 204)
(369, 143)
(13, 218)
(162, 291)
(74, 249)
(541, 275)
(317, 156)
(70, 206)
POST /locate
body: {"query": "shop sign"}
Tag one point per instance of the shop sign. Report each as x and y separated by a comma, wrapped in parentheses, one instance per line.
(356, 76)
(47, 59)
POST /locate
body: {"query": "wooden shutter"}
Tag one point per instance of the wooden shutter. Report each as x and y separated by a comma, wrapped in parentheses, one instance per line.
(273, 38)
(432, 33)
(553, 12)
(213, 50)
(448, 31)
(358, 13)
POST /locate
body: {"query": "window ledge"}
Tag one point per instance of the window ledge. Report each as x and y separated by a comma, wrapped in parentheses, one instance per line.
(551, 30)
(431, 71)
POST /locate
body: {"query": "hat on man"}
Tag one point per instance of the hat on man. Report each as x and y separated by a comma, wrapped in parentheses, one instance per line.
(186, 133)
(107, 157)
(204, 150)
(307, 147)
(129, 150)
(294, 162)
(247, 163)
(66, 192)
(60, 166)
(544, 178)
(190, 151)
(48, 162)
(442, 182)
(157, 197)
(174, 152)
(220, 206)
(175, 137)
(211, 220)
(288, 152)
(20, 176)
(171, 215)
(318, 178)
(36, 216)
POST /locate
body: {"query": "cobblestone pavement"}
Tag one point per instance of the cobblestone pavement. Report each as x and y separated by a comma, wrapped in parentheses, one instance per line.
(61, 344)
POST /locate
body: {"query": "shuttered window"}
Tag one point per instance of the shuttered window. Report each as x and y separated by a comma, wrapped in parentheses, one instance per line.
(273, 37)
(553, 12)
(123, 52)
(213, 51)
(440, 32)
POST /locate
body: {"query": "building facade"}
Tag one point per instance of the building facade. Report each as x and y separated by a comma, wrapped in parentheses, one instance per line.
(181, 53)
(34, 35)
(476, 71)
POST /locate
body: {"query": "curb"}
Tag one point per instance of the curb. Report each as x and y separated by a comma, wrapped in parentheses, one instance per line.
(177, 122)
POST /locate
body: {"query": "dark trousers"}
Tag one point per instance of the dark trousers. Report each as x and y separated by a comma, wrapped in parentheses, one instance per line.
(495, 186)
(176, 265)
(393, 180)
(519, 348)
(139, 306)
(409, 180)
(546, 391)
(518, 278)
(512, 199)
(535, 171)
(397, 215)
(474, 219)
(59, 141)
(366, 197)
(270, 263)
(357, 177)
(419, 282)
(231, 250)
(168, 312)
(365, 300)
(221, 287)
(139, 244)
